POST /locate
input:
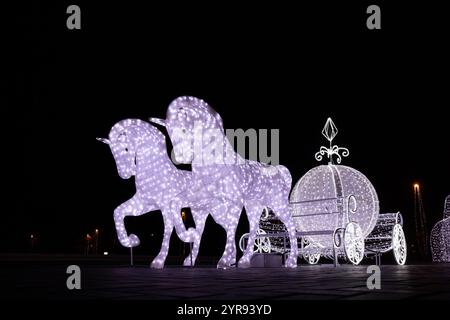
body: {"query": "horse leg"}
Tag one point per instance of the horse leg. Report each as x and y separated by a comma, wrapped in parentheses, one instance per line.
(160, 259)
(200, 219)
(254, 215)
(190, 235)
(285, 217)
(133, 207)
(229, 255)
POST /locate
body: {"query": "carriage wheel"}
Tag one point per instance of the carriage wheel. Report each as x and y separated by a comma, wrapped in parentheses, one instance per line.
(241, 241)
(353, 243)
(311, 258)
(262, 245)
(399, 244)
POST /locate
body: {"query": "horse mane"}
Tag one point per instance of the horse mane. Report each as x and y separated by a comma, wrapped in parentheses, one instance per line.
(196, 109)
(127, 124)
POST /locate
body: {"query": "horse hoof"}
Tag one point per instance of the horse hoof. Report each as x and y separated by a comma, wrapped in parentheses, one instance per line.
(134, 240)
(187, 262)
(222, 265)
(156, 265)
(291, 263)
(131, 241)
(244, 264)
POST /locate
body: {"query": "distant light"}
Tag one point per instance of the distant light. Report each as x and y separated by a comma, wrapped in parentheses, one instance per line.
(105, 253)
(96, 230)
(32, 236)
(416, 186)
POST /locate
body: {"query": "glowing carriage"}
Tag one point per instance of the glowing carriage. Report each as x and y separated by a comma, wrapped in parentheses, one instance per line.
(387, 236)
(338, 201)
(335, 209)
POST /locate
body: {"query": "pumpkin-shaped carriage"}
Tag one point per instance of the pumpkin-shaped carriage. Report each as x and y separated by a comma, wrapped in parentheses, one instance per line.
(336, 212)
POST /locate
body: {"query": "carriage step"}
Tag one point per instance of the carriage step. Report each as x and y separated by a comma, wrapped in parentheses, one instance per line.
(266, 260)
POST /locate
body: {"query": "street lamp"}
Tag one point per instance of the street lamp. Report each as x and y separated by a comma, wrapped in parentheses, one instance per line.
(96, 241)
(88, 242)
(183, 216)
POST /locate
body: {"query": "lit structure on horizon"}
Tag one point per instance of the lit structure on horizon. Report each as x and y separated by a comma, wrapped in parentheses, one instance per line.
(420, 223)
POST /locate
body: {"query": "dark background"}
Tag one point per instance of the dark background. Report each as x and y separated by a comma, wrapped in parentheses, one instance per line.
(274, 65)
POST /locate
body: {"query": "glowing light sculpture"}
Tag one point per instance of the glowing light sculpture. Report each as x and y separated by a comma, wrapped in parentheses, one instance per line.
(336, 211)
(329, 197)
(224, 180)
(440, 236)
(275, 242)
(387, 236)
(139, 150)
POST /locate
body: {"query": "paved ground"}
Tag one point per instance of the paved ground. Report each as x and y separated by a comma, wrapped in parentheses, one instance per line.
(47, 281)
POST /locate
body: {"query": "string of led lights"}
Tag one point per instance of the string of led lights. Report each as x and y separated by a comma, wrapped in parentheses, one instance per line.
(440, 236)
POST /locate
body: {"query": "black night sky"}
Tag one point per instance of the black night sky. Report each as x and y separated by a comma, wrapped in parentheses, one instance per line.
(288, 67)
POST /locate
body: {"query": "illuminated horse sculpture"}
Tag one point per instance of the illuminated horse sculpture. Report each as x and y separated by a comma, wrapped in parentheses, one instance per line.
(139, 150)
(223, 179)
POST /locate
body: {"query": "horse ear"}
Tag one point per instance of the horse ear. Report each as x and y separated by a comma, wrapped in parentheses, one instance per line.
(161, 122)
(104, 140)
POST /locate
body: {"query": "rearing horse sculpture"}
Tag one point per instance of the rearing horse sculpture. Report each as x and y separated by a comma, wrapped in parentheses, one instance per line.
(223, 179)
(139, 150)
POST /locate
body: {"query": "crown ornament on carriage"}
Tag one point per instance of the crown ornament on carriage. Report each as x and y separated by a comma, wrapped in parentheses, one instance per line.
(330, 131)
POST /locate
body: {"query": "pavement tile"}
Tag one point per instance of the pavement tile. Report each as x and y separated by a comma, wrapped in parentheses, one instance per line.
(304, 283)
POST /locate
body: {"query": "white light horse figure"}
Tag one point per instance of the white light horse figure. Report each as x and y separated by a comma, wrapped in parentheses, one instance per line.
(139, 150)
(225, 180)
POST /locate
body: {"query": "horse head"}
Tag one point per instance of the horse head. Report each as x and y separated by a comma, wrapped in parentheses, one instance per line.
(189, 120)
(123, 140)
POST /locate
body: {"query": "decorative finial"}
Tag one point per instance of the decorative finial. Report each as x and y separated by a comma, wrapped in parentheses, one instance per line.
(329, 132)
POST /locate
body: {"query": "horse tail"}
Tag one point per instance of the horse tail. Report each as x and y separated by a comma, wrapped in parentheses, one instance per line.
(286, 175)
